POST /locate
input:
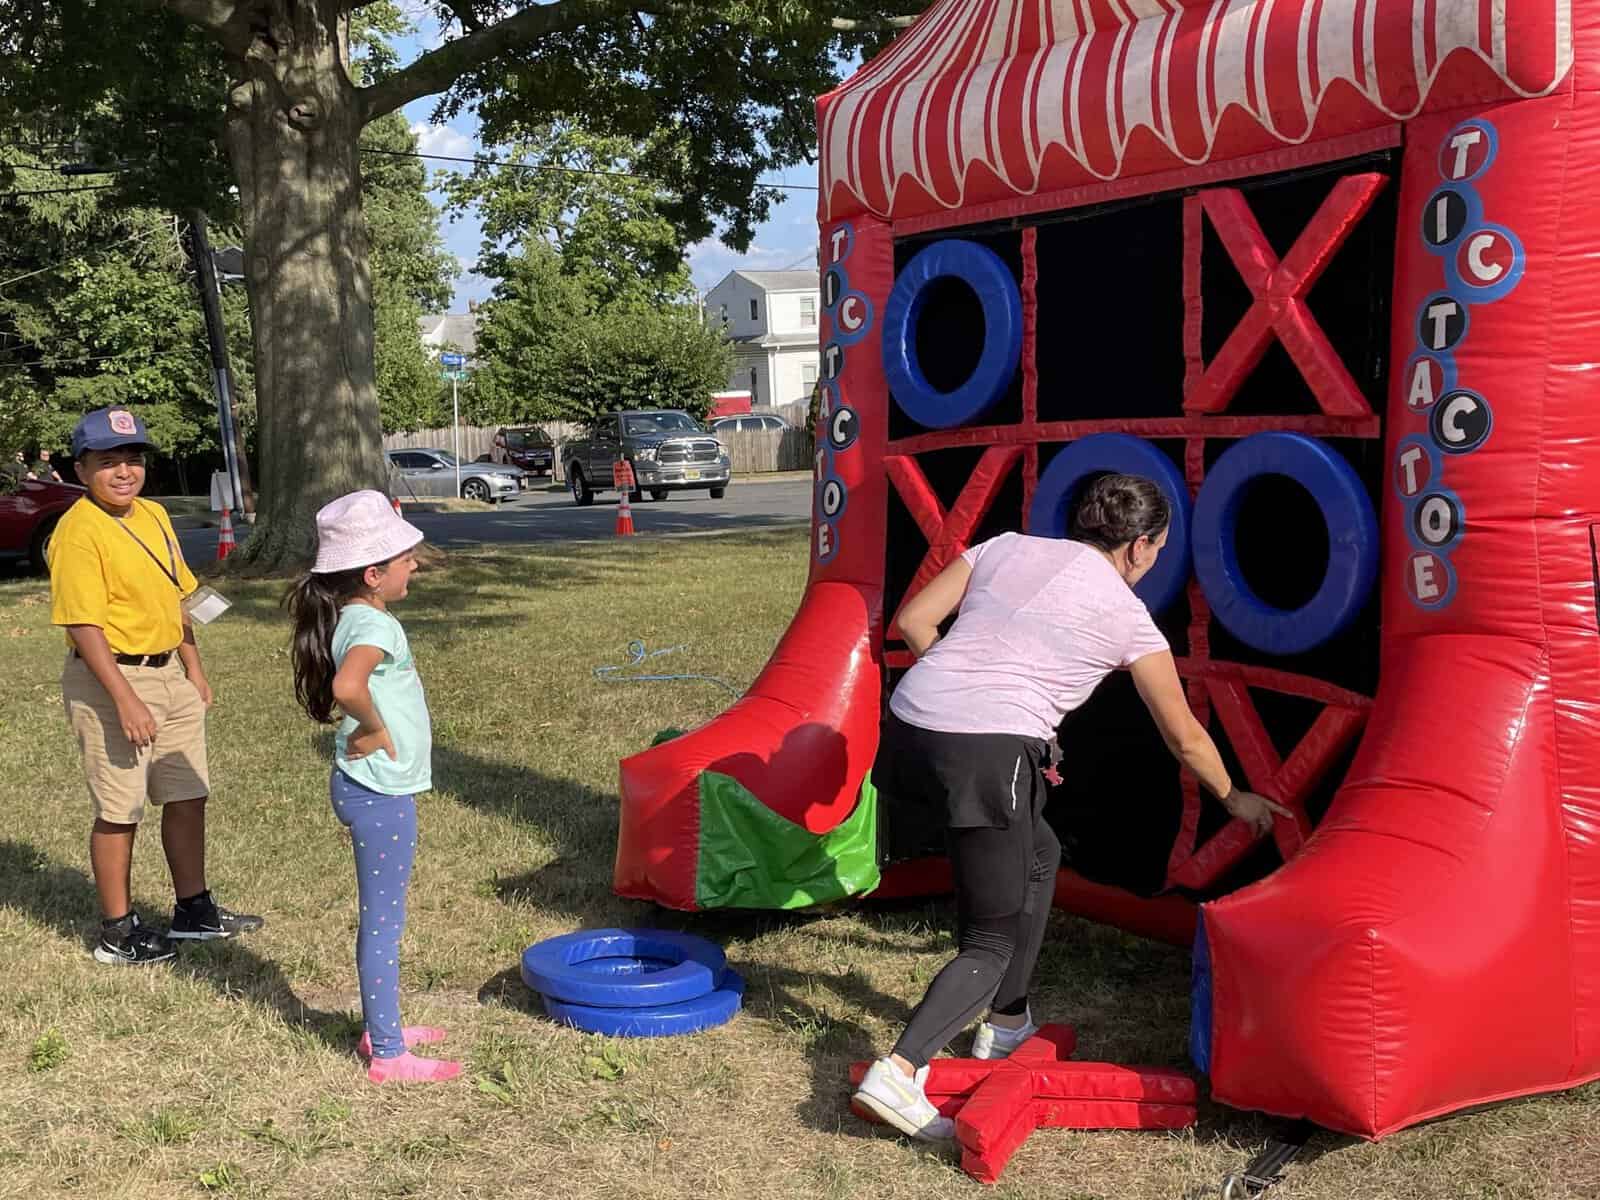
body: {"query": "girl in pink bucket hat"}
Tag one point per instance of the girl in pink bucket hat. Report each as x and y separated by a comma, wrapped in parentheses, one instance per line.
(350, 653)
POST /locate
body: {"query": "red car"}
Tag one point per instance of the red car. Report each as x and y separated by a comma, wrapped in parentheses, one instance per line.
(28, 515)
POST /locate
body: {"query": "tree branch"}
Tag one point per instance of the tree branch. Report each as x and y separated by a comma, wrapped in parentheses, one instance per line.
(877, 25)
(436, 70)
(226, 20)
(463, 11)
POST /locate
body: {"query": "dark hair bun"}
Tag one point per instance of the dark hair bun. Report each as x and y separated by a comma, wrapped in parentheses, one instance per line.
(1117, 509)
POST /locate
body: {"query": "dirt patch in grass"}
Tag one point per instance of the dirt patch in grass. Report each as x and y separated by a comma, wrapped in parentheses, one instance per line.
(233, 1072)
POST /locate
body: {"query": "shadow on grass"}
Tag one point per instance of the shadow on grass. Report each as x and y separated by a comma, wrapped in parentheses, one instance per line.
(1117, 989)
(64, 898)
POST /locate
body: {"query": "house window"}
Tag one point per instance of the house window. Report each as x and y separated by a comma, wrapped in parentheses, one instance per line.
(724, 314)
(755, 310)
(755, 395)
(808, 375)
(808, 312)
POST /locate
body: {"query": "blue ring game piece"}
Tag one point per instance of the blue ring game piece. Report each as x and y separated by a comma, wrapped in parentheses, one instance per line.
(986, 273)
(554, 967)
(1124, 455)
(1352, 542)
(663, 1020)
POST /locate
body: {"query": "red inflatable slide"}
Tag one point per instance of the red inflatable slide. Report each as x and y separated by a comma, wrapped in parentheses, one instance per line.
(1323, 269)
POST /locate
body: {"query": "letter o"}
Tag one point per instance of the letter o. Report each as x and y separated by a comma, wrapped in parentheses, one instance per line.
(1352, 543)
(987, 275)
(1119, 453)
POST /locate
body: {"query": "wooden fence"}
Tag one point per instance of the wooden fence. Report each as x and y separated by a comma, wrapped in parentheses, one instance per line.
(752, 453)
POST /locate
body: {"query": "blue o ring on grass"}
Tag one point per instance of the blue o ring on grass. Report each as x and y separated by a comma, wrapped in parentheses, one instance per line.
(662, 1020)
(557, 968)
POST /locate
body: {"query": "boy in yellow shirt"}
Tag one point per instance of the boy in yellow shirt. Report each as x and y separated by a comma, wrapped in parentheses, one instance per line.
(134, 690)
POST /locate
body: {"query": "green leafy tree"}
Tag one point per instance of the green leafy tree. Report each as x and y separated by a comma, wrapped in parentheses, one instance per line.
(527, 339)
(645, 357)
(191, 92)
(98, 307)
(411, 274)
(577, 193)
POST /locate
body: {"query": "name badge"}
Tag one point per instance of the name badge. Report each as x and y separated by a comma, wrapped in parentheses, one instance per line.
(205, 605)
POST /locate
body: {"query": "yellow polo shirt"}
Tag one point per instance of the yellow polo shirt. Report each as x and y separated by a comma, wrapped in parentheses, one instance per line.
(99, 575)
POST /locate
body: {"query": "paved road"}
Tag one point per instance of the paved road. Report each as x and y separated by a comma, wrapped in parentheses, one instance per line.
(552, 517)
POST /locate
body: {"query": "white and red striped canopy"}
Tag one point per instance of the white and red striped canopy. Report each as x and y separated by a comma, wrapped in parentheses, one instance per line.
(984, 101)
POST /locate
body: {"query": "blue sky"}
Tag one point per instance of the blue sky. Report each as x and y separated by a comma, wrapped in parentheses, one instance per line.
(787, 239)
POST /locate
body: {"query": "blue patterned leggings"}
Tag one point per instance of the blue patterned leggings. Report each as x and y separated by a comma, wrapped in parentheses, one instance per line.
(383, 830)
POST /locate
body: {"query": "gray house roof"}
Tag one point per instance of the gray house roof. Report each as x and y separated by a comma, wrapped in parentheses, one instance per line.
(449, 329)
(782, 281)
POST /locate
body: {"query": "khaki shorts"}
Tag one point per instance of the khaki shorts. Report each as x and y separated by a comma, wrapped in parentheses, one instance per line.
(121, 779)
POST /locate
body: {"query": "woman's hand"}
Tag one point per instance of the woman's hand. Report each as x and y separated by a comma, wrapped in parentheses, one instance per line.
(1253, 809)
(364, 742)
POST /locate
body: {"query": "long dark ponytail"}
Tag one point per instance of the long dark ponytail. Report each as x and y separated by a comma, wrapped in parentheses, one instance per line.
(314, 602)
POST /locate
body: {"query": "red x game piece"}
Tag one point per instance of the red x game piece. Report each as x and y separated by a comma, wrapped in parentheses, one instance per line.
(997, 1103)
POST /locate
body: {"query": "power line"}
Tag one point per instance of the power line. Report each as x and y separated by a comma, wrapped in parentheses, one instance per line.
(451, 158)
(512, 166)
(132, 237)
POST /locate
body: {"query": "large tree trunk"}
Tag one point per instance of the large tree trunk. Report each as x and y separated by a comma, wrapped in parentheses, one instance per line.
(294, 125)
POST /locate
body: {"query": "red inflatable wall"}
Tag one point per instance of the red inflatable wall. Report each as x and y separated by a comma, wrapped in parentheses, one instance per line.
(1434, 943)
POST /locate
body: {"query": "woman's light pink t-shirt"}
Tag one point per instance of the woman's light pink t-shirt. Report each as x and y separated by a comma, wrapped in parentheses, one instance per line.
(1043, 622)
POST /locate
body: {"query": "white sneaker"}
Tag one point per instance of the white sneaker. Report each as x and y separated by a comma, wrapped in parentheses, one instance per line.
(899, 1100)
(993, 1042)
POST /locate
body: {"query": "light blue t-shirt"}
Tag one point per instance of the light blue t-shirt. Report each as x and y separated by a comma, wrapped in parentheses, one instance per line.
(397, 694)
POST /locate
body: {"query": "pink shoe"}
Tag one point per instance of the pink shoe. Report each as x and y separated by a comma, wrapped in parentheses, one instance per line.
(408, 1068)
(414, 1035)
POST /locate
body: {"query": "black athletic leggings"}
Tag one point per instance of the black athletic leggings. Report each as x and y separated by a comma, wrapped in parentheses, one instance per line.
(1005, 884)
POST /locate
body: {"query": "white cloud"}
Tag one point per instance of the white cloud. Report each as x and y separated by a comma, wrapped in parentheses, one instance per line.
(443, 139)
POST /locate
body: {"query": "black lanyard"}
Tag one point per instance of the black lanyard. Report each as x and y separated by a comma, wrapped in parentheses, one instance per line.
(171, 570)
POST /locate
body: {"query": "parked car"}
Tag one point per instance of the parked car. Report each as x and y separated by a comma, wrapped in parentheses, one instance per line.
(750, 422)
(525, 446)
(433, 473)
(28, 516)
(669, 451)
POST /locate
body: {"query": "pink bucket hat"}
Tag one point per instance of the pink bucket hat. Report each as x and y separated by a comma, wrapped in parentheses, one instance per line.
(360, 530)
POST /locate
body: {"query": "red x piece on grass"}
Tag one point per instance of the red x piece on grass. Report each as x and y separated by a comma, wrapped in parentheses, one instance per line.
(997, 1103)
(1279, 290)
(1288, 781)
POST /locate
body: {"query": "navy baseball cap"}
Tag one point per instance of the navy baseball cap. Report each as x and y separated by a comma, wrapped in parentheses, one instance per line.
(108, 429)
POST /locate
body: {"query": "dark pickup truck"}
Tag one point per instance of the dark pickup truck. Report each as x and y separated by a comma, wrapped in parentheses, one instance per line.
(669, 450)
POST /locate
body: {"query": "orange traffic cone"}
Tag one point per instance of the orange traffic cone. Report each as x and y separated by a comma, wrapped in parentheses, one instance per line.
(225, 542)
(622, 477)
(624, 516)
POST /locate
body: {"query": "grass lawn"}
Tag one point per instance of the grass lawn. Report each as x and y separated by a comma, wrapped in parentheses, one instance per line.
(233, 1072)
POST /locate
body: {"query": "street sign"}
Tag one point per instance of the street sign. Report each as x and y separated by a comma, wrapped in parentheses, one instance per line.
(460, 376)
(453, 360)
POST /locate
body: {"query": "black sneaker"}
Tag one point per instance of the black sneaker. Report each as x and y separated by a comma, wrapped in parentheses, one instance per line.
(203, 919)
(128, 943)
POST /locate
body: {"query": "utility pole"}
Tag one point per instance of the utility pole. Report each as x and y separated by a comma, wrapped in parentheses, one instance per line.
(211, 305)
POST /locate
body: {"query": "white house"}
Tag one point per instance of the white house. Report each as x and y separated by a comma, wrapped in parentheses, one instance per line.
(458, 330)
(771, 318)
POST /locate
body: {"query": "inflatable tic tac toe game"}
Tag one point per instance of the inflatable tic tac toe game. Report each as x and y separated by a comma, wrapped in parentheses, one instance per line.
(1325, 270)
